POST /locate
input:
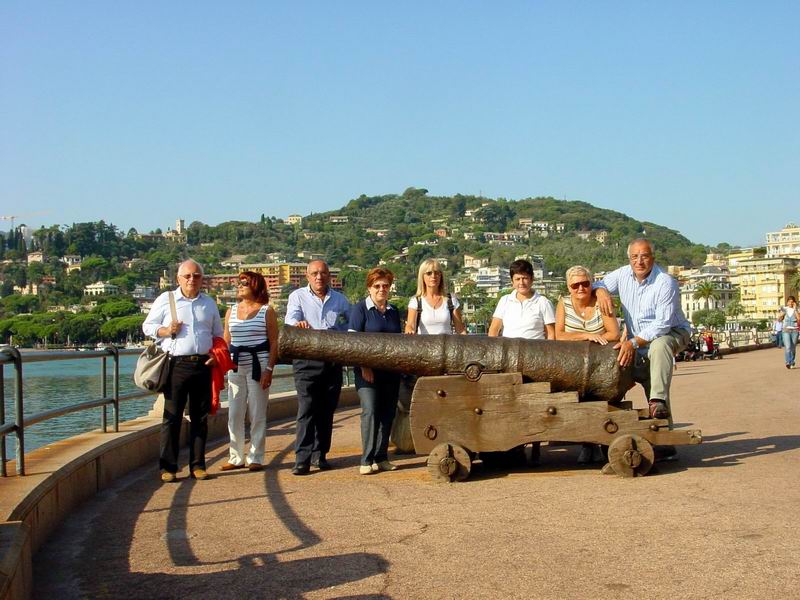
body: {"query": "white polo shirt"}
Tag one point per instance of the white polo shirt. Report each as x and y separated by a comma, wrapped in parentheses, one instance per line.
(525, 319)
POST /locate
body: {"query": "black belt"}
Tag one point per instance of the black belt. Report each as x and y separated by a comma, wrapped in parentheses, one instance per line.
(192, 357)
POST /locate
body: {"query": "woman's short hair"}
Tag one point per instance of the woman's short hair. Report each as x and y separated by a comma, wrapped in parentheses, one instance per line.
(430, 264)
(578, 270)
(379, 273)
(257, 283)
(521, 267)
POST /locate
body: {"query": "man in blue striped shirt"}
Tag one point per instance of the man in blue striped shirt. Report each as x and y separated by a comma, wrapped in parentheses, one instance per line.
(655, 324)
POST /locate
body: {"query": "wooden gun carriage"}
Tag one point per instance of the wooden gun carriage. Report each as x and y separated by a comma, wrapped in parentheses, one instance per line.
(480, 394)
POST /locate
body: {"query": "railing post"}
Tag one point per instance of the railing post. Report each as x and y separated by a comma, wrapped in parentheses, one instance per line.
(19, 411)
(115, 380)
(3, 471)
(103, 393)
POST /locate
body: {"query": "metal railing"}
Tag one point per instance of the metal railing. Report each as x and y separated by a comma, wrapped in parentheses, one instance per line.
(11, 355)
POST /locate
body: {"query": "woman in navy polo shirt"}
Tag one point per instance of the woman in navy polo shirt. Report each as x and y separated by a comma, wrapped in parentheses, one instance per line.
(377, 390)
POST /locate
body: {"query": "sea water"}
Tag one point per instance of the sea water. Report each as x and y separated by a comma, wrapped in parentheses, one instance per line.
(57, 384)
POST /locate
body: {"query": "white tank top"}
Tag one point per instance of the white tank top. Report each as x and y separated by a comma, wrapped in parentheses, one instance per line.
(249, 332)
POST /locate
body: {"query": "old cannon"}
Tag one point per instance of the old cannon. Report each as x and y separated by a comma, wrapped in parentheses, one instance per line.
(481, 394)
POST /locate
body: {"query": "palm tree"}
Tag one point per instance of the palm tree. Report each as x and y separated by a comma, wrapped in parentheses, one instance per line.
(706, 290)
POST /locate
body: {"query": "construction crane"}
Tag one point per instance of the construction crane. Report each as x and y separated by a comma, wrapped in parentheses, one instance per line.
(12, 217)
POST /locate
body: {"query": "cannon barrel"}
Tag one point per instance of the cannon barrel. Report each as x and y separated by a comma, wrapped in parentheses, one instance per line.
(590, 369)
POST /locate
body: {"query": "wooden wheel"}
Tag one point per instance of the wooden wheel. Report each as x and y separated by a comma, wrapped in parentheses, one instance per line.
(630, 455)
(449, 462)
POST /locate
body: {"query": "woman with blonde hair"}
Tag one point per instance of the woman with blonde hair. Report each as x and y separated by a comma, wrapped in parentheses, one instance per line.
(433, 309)
(579, 319)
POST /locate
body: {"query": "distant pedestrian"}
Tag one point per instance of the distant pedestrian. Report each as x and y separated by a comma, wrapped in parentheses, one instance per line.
(788, 316)
(188, 340)
(433, 309)
(777, 330)
(251, 330)
(377, 390)
(318, 383)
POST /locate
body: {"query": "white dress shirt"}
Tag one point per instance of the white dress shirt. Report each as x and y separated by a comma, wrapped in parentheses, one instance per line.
(526, 318)
(201, 323)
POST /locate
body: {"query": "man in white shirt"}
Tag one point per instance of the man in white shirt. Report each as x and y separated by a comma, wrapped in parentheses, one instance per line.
(523, 313)
(188, 339)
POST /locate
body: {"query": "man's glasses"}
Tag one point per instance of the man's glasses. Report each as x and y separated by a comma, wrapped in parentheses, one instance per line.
(636, 257)
(580, 284)
(188, 276)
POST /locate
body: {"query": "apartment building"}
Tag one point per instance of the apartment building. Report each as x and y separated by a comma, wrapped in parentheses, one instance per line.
(765, 283)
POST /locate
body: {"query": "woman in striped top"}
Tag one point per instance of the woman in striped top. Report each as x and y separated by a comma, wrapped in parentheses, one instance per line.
(251, 330)
(579, 319)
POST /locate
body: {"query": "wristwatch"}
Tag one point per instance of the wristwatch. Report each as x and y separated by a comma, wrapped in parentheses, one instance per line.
(635, 343)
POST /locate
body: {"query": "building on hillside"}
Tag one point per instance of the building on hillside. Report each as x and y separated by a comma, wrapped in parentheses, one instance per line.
(723, 287)
(234, 260)
(180, 226)
(736, 256)
(220, 281)
(601, 237)
(173, 236)
(470, 235)
(143, 293)
(339, 219)
(473, 262)
(785, 242)
(71, 259)
(294, 220)
(36, 257)
(492, 280)
(307, 255)
(441, 232)
(559, 227)
(549, 286)
(378, 232)
(715, 259)
(101, 288)
(31, 289)
(765, 283)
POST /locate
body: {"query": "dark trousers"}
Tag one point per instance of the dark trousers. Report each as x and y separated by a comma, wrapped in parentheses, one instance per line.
(318, 385)
(378, 407)
(189, 381)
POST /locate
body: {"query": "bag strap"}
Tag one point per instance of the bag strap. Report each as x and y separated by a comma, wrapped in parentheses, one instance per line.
(419, 313)
(172, 309)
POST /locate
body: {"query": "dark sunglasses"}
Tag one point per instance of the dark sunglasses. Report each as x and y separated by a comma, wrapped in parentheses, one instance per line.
(243, 283)
(580, 284)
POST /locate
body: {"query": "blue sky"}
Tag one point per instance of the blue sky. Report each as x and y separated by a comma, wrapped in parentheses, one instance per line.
(681, 113)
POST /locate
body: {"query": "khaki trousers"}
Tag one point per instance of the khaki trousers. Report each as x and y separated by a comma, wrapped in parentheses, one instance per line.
(654, 369)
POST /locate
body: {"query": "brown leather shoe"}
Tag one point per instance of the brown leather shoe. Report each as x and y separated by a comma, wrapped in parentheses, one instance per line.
(231, 467)
(199, 474)
(168, 477)
(658, 409)
(255, 466)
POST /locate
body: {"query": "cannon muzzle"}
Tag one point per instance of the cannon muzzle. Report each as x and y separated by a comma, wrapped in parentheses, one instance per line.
(590, 369)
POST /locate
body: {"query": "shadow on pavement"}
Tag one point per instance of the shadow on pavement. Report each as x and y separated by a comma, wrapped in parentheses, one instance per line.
(728, 453)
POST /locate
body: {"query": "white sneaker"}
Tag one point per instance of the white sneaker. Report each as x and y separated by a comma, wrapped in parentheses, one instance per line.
(384, 465)
(365, 470)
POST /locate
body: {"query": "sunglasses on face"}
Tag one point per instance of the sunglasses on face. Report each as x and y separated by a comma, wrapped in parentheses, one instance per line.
(243, 283)
(580, 284)
(381, 286)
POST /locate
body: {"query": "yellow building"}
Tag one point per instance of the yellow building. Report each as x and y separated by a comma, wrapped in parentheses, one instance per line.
(735, 257)
(765, 283)
(785, 242)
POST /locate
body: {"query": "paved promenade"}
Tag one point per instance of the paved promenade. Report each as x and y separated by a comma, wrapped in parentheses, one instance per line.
(719, 523)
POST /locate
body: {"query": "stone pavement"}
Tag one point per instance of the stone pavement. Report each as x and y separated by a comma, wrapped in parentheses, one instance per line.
(719, 523)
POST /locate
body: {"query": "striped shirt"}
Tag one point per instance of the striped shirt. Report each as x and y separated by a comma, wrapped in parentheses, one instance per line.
(652, 307)
(574, 323)
(249, 332)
